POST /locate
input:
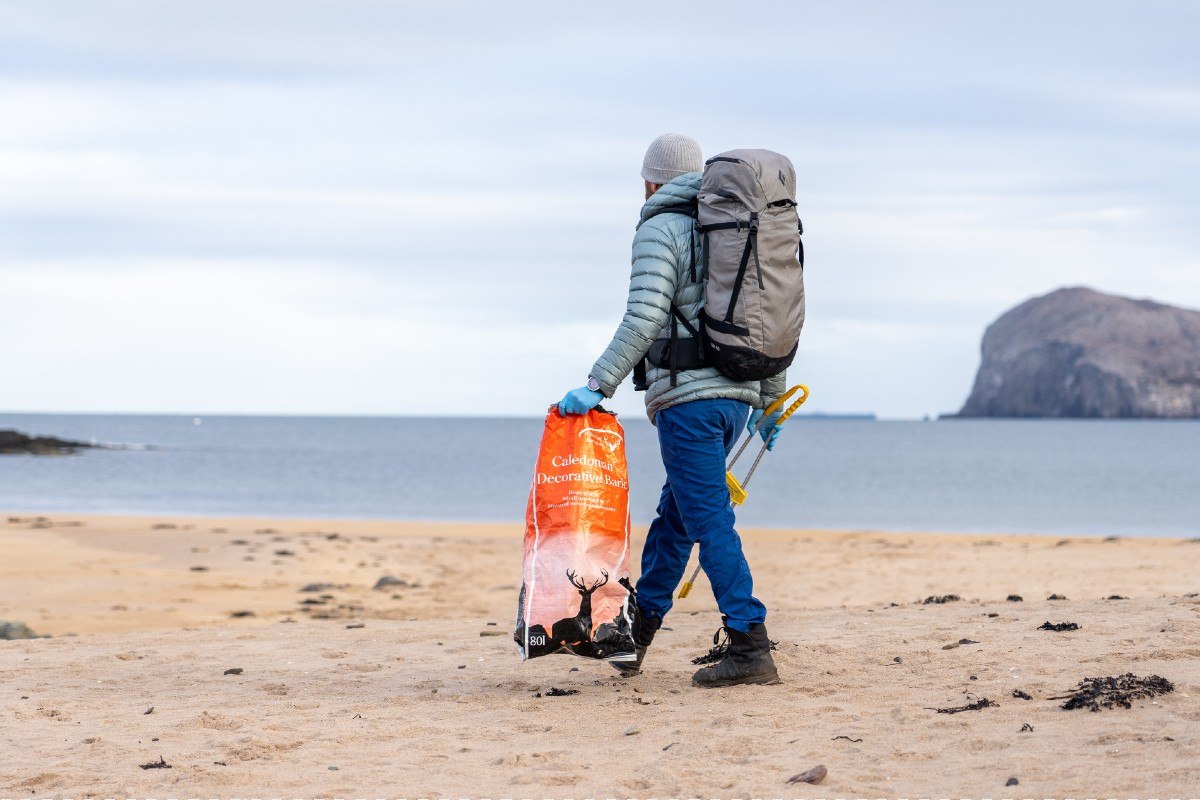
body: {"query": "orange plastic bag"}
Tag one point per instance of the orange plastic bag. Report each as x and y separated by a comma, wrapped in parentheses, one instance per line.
(574, 589)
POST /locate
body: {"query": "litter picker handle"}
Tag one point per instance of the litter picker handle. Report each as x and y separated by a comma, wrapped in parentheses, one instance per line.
(768, 411)
(763, 450)
(778, 404)
(792, 408)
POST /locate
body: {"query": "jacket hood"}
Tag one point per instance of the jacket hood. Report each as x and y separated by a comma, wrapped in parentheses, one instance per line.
(683, 189)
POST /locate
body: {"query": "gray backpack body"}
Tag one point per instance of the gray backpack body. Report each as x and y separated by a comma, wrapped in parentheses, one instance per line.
(753, 270)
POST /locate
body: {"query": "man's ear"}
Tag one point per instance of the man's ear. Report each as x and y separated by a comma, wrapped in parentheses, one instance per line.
(651, 188)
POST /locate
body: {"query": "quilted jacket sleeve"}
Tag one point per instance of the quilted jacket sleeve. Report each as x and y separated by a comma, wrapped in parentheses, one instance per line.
(770, 389)
(652, 287)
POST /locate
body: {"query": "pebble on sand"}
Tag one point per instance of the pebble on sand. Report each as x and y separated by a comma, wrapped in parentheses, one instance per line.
(814, 775)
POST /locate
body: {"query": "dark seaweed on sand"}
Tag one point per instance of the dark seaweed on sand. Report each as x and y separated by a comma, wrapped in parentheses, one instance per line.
(982, 702)
(939, 599)
(1120, 690)
(1058, 626)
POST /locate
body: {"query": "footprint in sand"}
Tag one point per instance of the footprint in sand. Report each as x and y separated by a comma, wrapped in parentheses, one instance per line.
(218, 722)
(250, 749)
(43, 780)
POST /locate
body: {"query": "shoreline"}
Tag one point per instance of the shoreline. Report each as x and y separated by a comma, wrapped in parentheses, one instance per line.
(197, 519)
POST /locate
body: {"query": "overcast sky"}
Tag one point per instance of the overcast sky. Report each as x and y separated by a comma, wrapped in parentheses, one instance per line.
(426, 208)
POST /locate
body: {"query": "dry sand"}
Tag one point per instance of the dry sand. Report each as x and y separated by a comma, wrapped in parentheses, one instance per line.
(422, 701)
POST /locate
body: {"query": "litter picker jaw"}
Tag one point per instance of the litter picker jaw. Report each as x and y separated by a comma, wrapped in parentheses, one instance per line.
(686, 589)
(737, 495)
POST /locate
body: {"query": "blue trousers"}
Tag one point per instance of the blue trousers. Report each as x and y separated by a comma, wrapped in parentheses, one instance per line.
(695, 439)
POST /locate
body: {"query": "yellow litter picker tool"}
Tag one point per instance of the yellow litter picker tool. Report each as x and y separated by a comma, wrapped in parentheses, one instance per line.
(737, 490)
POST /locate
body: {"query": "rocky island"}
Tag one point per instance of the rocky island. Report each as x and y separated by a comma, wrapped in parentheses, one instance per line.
(1077, 352)
(14, 442)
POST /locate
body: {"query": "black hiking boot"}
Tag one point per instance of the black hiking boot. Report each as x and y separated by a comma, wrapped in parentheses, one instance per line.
(746, 660)
(642, 630)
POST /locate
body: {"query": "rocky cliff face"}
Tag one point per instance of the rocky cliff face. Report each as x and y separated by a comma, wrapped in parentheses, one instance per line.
(1079, 353)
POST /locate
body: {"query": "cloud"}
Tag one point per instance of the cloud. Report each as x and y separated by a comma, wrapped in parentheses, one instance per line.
(255, 336)
(426, 208)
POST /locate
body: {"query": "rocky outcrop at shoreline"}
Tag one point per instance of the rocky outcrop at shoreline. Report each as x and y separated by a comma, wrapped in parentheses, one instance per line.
(15, 442)
(1080, 353)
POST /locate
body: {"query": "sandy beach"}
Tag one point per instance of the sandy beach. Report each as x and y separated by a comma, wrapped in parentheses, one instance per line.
(415, 689)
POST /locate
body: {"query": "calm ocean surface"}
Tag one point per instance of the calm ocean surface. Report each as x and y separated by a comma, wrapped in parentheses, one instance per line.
(1058, 477)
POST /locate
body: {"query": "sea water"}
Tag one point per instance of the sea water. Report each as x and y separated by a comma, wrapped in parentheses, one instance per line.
(1129, 478)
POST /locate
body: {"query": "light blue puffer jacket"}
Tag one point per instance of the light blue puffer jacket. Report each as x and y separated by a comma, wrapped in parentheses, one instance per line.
(662, 257)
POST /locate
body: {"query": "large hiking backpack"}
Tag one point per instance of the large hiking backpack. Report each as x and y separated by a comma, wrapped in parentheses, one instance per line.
(753, 262)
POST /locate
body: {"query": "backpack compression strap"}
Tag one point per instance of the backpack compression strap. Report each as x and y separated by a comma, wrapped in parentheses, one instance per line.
(727, 325)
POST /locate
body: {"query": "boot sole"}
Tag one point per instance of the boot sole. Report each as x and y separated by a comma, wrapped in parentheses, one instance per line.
(760, 680)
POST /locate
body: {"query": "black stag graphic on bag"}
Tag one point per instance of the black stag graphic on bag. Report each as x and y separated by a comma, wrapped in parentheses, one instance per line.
(578, 629)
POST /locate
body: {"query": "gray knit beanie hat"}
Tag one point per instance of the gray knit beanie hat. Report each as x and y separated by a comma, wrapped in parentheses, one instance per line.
(670, 156)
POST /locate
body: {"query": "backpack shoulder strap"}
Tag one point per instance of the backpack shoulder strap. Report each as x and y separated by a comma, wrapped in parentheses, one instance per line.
(687, 208)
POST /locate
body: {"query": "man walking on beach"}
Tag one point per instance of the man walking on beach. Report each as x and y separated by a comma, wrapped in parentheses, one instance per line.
(699, 414)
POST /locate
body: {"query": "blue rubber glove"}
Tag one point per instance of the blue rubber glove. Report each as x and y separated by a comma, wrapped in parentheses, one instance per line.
(769, 430)
(579, 401)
